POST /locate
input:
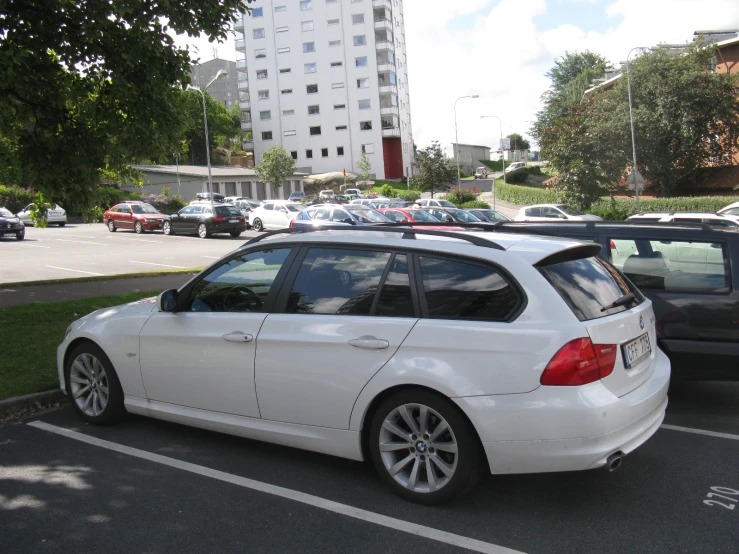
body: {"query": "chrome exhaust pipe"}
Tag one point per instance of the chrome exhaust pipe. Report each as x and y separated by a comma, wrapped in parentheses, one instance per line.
(613, 462)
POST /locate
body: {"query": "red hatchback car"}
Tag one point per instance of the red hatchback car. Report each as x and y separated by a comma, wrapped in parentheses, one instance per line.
(135, 215)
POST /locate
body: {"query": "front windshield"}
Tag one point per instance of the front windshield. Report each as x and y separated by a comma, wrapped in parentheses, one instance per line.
(465, 217)
(144, 209)
(5, 213)
(569, 210)
(446, 204)
(421, 215)
(368, 216)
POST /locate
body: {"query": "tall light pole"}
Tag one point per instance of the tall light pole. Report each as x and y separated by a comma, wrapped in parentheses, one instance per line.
(634, 171)
(221, 73)
(502, 156)
(456, 134)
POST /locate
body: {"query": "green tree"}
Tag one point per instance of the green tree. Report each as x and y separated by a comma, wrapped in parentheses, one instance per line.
(222, 128)
(89, 87)
(275, 167)
(365, 168)
(518, 142)
(434, 172)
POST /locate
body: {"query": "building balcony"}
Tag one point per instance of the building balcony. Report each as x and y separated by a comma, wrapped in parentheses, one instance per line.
(386, 67)
(247, 146)
(240, 64)
(245, 105)
(391, 132)
(382, 4)
(388, 110)
(381, 45)
(388, 89)
(246, 125)
(382, 23)
(241, 45)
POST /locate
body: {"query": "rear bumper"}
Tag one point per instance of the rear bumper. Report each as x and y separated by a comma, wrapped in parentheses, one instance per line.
(226, 227)
(570, 428)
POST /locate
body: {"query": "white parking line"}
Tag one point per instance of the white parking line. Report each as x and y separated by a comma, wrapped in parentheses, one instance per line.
(82, 242)
(297, 496)
(80, 236)
(7, 290)
(138, 240)
(24, 243)
(701, 432)
(162, 265)
(75, 270)
(211, 257)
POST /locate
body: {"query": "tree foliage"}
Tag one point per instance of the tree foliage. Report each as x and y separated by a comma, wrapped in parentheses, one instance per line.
(275, 167)
(365, 168)
(222, 128)
(89, 87)
(518, 142)
(434, 172)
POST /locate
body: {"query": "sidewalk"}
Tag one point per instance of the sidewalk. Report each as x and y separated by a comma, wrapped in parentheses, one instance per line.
(15, 295)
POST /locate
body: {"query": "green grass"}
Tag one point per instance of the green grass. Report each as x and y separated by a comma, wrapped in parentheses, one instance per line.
(30, 335)
(158, 273)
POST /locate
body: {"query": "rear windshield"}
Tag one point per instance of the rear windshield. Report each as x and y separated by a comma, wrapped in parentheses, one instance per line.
(588, 285)
(227, 210)
(368, 216)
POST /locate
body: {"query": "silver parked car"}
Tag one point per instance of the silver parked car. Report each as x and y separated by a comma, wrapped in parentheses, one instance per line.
(55, 216)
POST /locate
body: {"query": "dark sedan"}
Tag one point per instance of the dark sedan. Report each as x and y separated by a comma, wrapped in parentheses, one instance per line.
(11, 225)
(491, 216)
(451, 215)
(199, 219)
(335, 215)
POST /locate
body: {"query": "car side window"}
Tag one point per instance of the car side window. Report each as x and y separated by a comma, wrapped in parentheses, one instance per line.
(239, 285)
(337, 282)
(533, 212)
(186, 210)
(269, 207)
(552, 212)
(461, 290)
(322, 214)
(341, 215)
(394, 216)
(196, 210)
(395, 298)
(673, 266)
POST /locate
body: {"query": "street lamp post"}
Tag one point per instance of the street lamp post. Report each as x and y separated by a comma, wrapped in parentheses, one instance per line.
(221, 73)
(456, 134)
(631, 118)
(502, 156)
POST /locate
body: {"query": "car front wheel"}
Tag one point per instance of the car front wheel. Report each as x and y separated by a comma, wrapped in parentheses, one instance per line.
(202, 231)
(111, 226)
(424, 448)
(21, 235)
(167, 228)
(138, 228)
(235, 234)
(93, 385)
(258, 225)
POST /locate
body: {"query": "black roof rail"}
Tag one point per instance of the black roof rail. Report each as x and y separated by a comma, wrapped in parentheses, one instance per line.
(400, 228)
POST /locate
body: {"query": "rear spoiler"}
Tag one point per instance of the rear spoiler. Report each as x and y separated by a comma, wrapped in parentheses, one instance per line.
(569, 254)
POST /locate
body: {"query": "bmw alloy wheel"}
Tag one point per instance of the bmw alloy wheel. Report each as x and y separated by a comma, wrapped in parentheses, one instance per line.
(89, 384)
(258, 225)
(202, 231)
(167, 228)
(418, 448)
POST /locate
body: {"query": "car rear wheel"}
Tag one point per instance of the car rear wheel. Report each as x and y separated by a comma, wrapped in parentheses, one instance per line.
(111, 226)
(424, 448)
(62, 224)
(167, 228)
(93, 385)
(21, 235)
(202, 231)
(258, 225)
(138, 228)
(235, 234)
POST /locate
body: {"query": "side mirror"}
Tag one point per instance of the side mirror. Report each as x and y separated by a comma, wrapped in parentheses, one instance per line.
(167, 301)
(449, 219)
(350, 221)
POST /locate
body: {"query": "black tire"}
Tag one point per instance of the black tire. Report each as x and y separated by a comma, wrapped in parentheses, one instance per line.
(203, 231)
(167, 228)
(111, 226)
(258, 225)
(62, 224)
(469, 457)
(235, 234)
(21, 235)
(114, 409)
(138, 228)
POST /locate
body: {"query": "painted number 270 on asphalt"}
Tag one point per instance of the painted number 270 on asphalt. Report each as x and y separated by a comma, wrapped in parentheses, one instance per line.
(725, 494)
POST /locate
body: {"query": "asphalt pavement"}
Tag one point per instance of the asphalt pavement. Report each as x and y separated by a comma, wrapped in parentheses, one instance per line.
(150, 486)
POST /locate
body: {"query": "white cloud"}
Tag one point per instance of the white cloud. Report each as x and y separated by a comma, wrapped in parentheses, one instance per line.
(504, 55)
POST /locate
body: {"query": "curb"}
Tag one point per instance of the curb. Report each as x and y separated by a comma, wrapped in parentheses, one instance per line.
(37, 400)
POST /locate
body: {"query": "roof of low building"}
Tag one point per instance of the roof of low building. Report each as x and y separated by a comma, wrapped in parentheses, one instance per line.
(202, 171)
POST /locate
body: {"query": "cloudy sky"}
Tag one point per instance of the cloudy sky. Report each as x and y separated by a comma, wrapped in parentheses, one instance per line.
(500, 49)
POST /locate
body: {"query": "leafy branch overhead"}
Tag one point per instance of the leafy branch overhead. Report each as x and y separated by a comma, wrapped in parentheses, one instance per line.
(89, 87)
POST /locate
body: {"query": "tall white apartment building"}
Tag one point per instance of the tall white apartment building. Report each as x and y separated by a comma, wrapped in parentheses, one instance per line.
(327, 80)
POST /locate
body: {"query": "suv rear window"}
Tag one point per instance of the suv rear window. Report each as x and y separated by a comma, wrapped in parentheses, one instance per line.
(587, 285)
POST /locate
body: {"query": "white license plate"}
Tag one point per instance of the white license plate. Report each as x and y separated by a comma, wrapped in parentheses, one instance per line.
(8, 234)
(55, 213)
(636, 350)
(233, 220)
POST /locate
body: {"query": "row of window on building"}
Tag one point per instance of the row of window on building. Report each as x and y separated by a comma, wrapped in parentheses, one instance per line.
(304, 5)
(310, 47)
(313, 89)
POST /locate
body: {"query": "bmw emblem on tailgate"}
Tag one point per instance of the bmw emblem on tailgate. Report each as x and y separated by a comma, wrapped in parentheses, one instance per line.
(641, 322)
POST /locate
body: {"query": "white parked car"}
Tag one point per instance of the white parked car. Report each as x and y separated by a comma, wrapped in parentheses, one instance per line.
(511, 354)
(434, 202)
(327, 193)
(274, 214)
(731, 209)
(717, 220)
(55, 216)
(553, 212)
(514, 166)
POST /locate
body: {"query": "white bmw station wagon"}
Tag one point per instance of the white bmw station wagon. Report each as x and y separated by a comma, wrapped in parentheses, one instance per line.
(439, 355)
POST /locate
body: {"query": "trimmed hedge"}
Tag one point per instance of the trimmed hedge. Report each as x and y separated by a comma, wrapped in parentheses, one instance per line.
(15, 198)
(460, 196)
(408, 195)
(387, 191)
(522, 174)
(523, 196)
(621, 208)
(475, 204)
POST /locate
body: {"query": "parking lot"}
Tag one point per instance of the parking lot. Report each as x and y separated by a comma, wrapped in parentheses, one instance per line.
(148, 485)
(79, 250)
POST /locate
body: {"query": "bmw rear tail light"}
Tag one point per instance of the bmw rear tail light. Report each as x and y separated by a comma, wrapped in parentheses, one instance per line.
(219, 218)
(580, 362)
(292, 223)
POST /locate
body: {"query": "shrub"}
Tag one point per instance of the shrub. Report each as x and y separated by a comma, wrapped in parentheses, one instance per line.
(408, 195)
(163, 203)
(621, 208)
(475, 204)
(461, 196)
(523, 196)
(15, 198)
(387, 190)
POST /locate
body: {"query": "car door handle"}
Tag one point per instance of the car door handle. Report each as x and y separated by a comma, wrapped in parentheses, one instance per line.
(238, 336)
(369, 343)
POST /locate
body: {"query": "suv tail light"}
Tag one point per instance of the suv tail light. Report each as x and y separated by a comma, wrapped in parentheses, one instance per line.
(580, 362)
(219, 218)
